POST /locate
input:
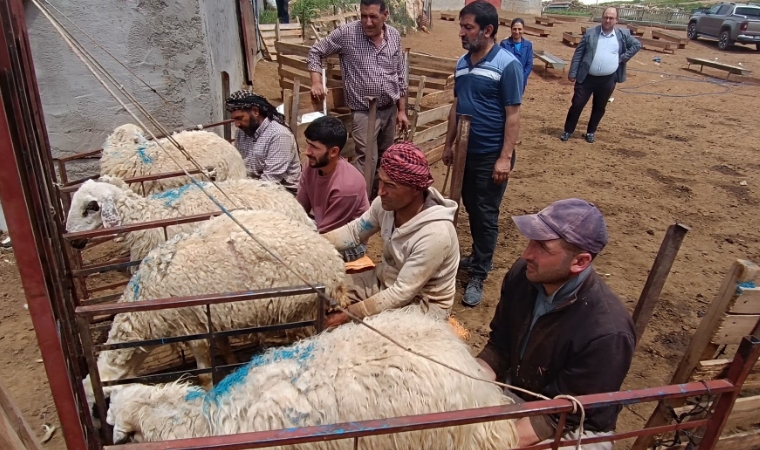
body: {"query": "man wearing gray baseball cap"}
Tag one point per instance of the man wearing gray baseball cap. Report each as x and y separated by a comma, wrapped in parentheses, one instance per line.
(558, 328)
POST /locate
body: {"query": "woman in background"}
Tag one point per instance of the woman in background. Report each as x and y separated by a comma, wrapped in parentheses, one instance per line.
(521, 48)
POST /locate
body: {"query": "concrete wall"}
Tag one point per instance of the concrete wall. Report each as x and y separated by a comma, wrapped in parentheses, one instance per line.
(179, 47)
(519, 6)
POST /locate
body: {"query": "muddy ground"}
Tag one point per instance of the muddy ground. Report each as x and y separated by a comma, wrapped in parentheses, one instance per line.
(674, 146)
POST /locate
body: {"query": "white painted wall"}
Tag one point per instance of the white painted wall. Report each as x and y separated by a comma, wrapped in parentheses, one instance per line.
(179, 47)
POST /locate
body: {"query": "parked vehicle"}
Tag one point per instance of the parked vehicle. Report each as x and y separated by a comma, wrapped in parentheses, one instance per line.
(729, 23)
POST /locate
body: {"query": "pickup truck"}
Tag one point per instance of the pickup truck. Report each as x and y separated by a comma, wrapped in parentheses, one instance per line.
(729, 23)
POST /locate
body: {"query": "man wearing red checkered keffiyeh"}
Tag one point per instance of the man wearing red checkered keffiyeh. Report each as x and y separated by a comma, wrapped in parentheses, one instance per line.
(420, 245)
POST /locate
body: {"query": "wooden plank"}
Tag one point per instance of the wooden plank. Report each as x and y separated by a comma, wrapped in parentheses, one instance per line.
(294, 62)
(449, 16)
(437, 99)
(250, 38)
(432, 144)
(13, 427)
(287, 82)
(735, 327)
(283, 34)
(657, 45)
(284, 48)
(555, 62)
(431, 133)
(748, 301)
(566, 19)
(433, 62)
(583, 29)
(570, 38)
(713, 369)
(432, 73)
(432, 83)
(440, 113)
(545, 21)
(434, 155)
(283, 26)
(664, 35)
(534, 30)
(744, 411)
(636, 30)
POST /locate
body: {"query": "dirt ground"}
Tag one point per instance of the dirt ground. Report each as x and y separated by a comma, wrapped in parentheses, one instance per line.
(674, 146)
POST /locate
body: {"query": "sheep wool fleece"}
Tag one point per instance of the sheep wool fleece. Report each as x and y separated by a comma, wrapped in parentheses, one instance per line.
(420, 258)
(345, 375)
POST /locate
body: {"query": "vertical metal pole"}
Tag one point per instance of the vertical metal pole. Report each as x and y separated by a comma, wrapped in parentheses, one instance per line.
(744, 361)
(211, 345)
(97, 385)
(320, 322)
(650, 295)
(370, 150)
(460, 158)
(559, 431)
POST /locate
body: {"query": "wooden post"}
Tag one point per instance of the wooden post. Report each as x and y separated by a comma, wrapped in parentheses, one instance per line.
(460, 158)
(277, 31)
(650, 295)
(416, 108)
(15, 433)
(370, 150)
(250, 37)
(294, 105)
(287, 102)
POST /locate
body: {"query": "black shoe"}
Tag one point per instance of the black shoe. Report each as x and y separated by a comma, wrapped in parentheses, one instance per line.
(589, 137)
(565, 137)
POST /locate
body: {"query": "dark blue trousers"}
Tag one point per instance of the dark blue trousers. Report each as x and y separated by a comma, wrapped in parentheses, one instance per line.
(481, 198)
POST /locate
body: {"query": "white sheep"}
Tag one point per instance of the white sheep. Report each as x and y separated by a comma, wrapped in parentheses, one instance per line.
(109, 202)
(346, 375)
(127, 153)
(220, 257)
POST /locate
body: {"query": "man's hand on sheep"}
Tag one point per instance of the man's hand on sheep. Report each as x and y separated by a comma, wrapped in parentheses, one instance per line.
(336, 319)
(487, 371)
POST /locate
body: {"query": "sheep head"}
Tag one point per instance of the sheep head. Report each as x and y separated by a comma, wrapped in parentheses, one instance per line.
(129, 133)
(92, 207)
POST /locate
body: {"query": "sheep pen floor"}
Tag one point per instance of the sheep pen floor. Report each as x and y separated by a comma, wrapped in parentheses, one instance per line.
(674, 146)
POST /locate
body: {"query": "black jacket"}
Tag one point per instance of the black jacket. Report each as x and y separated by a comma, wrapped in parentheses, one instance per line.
(583, 346)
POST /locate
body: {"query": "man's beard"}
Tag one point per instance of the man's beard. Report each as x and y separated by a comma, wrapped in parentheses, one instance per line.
(475, 45)
(251, 129)
(321, 162)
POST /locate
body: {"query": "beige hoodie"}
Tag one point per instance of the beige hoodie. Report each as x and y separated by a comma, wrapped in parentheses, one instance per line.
(420, 258)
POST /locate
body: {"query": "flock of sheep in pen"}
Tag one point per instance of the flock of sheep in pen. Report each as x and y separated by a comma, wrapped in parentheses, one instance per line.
(346, 374)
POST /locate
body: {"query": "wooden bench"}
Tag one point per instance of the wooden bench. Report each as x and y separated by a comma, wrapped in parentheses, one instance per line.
(664, 35)
(550, 60)
(571, 39)
(546, 21)
(716, 65)
(636, 30)
(566, 19)
(584, 28)
(657, 45)
(532, 30)
(449, 16)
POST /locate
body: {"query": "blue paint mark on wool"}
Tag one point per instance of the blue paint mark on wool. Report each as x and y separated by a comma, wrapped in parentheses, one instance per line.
(746, 285)
(134, 285)
(195, 394)
(172, 196)
(146, 158)
(300, 353)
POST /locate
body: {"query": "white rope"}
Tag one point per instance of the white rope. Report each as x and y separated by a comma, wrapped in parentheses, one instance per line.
(80, 52)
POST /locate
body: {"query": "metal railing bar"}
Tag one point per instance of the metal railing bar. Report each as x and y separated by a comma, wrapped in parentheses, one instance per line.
(195, 337)
(350, 430)
(198, 300)
(121, 263)
(139, 226)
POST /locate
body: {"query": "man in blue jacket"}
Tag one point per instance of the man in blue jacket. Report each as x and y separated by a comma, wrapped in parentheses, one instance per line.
(598, 64)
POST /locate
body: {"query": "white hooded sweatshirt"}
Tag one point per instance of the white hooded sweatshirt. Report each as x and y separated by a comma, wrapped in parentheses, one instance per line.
(420, 258)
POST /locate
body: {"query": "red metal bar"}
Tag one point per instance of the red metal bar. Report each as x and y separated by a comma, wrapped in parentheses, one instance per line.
(293, 436)
(72, 187)
(139, 226)
(97, 152)
(197, 300)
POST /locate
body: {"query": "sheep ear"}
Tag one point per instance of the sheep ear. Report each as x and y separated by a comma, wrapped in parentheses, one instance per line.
(108, 214)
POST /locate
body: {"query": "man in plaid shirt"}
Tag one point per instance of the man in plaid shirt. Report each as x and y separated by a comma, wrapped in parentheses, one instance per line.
(266, 144)
(372, 65)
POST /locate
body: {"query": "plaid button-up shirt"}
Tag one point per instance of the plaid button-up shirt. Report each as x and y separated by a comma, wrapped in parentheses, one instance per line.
(271, 154)
(368, 70)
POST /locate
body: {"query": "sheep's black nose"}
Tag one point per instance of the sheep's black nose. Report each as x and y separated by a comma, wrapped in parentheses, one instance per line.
(79, 243)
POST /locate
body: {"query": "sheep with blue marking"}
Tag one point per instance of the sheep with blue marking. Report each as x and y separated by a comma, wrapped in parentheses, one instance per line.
(220, 257)
(108, 202)
(345, 375)
(127, 153)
